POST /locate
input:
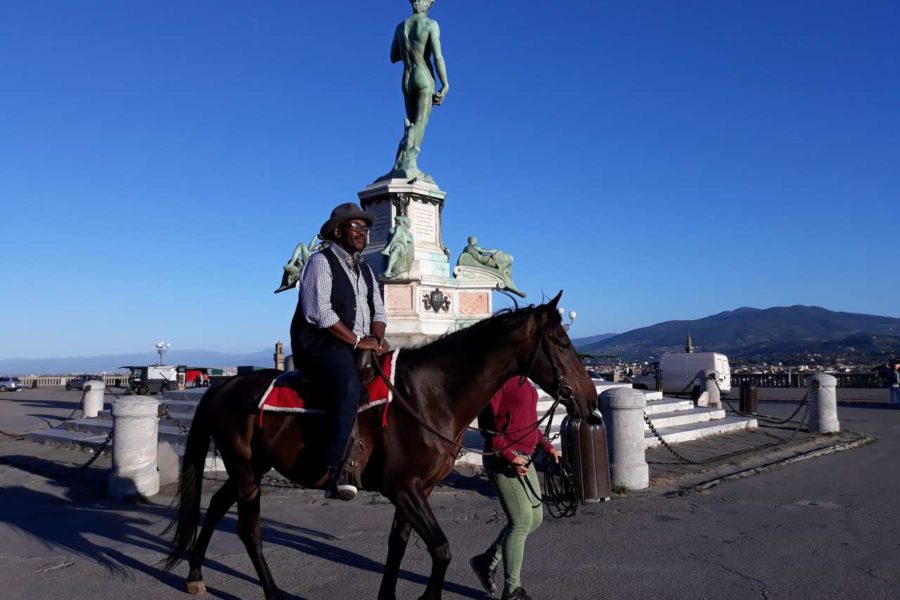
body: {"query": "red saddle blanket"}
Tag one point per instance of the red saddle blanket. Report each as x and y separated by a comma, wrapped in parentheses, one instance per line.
(289, 392)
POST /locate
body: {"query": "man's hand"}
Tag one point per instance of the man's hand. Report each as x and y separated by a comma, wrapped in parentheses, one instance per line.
(520, 464)
(372, 343)
(438, 98)
(369, 343)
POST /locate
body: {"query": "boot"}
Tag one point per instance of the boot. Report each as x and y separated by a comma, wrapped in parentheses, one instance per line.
(481, 564)
(517, 594)
(339, 488)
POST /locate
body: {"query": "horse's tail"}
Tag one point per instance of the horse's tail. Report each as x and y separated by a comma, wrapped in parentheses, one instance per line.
(190, 484)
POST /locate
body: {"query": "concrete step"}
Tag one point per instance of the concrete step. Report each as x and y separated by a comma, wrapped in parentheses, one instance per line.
(167, 433)
(695, 431)
(668, 405)
(189, 395)
(685, 417)
(78, 440)
(180, 406)
(183, 419)
(213, 462)
(90, 442)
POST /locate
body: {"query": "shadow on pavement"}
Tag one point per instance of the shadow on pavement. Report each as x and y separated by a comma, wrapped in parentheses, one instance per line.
(275, 532)
(32, 513)
(84, 513)
(80, 518)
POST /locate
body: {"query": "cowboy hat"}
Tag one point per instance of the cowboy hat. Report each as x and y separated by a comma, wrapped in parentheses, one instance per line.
(343, 213)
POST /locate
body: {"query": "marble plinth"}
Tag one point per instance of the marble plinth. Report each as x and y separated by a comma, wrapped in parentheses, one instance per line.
(431, 299)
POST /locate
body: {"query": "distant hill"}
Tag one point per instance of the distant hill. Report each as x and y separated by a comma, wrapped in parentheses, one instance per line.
(584, 342)
(751, 332)
(112, 362)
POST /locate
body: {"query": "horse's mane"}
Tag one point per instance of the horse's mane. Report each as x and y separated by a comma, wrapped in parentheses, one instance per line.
(500, 323)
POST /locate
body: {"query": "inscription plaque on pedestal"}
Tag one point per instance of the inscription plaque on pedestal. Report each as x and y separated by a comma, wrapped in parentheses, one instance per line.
(424, 218)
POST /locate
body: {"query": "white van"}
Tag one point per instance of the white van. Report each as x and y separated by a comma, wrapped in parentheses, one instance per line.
(678, 370)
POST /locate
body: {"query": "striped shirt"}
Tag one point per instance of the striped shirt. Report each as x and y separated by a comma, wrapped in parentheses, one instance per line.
(315, 292)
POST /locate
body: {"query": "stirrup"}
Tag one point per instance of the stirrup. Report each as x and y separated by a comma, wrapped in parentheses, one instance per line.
(340, 488)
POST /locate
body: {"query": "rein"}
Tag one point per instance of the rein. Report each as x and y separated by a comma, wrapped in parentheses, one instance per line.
(404, 404)
(563, 391)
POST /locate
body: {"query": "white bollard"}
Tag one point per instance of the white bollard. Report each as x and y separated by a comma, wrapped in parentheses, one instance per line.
(92, 402)
(623, 409)
(823, 416)
(709, 390)
(135, 432)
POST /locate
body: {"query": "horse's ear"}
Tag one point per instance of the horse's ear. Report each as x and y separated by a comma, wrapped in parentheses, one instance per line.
(552, 304)
(550, 308)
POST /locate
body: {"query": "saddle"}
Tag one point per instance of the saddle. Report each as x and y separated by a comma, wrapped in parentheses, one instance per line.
(297, 392)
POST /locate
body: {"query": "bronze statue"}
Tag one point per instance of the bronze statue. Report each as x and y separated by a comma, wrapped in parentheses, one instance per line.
(417, 41)
(399, 249)
(497, 261)
(294, 267)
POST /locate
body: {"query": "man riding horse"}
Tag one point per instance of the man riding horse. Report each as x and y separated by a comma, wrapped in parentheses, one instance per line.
(340, 310)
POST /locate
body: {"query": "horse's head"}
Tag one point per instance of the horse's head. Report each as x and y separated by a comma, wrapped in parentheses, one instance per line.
(554, 365)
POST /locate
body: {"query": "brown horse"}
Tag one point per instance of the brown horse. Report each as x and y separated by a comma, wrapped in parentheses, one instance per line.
(444, 385)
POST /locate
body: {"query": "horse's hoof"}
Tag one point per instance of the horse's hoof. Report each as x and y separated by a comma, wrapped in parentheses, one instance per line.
(195, 587)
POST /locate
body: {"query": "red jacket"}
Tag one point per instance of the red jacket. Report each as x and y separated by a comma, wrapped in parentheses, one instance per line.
(508, 423)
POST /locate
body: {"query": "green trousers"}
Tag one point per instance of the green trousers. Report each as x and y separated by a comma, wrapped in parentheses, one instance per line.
(524, 513)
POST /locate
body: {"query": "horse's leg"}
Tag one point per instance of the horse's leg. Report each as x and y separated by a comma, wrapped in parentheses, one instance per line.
(218, 506)
(250, 533)
(414, 507)
(400, 531)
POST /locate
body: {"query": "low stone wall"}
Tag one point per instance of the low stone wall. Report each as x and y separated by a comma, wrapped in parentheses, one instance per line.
(874, 395)
(61, 380)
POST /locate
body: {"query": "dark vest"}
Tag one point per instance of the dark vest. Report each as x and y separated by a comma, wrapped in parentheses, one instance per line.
(306, 338)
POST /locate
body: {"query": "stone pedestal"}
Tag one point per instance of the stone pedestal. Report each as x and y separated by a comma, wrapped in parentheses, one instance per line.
(135, 432)
(822, 392)
(430, 299)
(623, 410)
(92, 403)
(710, 396)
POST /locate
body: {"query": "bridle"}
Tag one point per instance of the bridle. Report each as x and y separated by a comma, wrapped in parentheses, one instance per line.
(564, 391)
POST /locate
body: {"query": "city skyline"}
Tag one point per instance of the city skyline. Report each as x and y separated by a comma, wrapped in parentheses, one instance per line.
(657, 162)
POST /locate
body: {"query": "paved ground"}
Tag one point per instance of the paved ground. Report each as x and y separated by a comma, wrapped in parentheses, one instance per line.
(821, 528)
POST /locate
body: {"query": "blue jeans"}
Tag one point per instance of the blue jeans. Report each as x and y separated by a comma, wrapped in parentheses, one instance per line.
(895, 396)
(335, 372)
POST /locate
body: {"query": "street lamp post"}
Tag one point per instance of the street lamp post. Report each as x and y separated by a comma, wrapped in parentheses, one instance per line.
(161, 348)
(572, 315)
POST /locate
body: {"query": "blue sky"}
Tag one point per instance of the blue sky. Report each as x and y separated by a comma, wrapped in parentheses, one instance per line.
(656, 160)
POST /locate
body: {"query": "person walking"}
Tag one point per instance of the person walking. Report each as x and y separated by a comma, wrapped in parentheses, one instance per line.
(509, 424)
(894, 383)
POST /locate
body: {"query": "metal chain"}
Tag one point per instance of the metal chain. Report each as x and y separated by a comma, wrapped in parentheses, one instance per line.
(93, 459)
(769, 419)
(712, 459)
(164, 412)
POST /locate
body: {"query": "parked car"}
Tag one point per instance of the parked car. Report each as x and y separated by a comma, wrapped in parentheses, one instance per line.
(79, 382)
(10, 384)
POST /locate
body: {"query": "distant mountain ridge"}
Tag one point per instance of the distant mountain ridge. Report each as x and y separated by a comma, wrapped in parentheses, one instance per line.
(752, 332)
(584, 342)
(112, 362)
(744, 332)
